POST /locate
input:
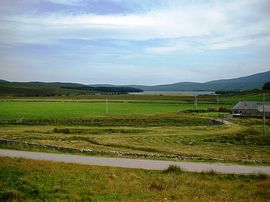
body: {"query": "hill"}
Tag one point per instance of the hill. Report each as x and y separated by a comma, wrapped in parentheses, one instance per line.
(255, 81)
(56, 89)
(3, 81)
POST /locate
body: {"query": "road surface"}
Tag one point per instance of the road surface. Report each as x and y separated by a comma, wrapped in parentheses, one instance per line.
(137, 163)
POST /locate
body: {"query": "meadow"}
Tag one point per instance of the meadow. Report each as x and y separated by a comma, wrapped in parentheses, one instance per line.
(83, 107)
(74, 109)
(28, 180)
(168, 125)
(136, 126)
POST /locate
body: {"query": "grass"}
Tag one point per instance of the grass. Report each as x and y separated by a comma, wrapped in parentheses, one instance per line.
(173, 169)
(139, 124)
(82, 110)
(232, 143)
(29, 180)
(135, 125)
(133, 121)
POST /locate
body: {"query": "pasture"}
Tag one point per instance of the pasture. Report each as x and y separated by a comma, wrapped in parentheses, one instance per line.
(137, 124)
(84, 109)
(28, 180)
(145, 126)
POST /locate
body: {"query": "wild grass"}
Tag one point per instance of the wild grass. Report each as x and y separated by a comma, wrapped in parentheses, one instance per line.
(128, 120)
(29, 180)
(232, 143)
(173, 169)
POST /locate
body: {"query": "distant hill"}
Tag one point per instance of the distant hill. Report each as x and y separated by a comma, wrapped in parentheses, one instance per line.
(56, 89)
(3, 81)
(255, 81)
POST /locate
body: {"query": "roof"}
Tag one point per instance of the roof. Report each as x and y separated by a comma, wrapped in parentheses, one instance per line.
(252, 105)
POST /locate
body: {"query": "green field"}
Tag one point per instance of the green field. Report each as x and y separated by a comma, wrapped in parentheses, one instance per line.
(133, 125)
(83, 107)
(73, 109)
(28, 180)
(148, 126)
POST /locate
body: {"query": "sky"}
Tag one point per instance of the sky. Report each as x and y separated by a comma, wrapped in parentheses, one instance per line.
(133, 41)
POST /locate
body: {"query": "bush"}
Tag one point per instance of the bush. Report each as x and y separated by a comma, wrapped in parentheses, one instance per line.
(173, 169)
(266, 86)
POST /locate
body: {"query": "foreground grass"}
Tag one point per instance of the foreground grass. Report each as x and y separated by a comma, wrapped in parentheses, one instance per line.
(28, 180)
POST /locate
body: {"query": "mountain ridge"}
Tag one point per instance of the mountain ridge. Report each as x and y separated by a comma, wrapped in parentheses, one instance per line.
(254, 81)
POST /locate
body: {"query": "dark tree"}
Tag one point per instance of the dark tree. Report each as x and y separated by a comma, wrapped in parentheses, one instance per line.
(266, 86)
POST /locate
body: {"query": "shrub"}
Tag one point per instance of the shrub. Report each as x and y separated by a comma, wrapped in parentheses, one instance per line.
(173, 169)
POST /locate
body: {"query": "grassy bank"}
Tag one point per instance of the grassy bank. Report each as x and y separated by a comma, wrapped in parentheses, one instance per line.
(27, 180)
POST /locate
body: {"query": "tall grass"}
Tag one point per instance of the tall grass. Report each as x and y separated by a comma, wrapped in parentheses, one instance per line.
(29, 180)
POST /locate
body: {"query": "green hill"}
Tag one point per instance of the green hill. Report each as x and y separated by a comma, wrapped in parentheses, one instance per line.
(56, 89)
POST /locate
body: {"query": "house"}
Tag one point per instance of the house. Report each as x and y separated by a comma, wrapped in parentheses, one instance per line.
(251, 109)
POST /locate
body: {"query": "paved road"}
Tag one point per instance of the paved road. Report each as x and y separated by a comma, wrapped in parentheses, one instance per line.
(136, 163)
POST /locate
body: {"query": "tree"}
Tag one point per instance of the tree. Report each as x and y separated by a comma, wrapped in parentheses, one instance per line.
(266, 86)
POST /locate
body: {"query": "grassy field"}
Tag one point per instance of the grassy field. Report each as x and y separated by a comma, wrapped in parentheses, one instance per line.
(28, 180)
(71, 110)
(134, 125)
(230, 143)
(147, 126)
(95, 105)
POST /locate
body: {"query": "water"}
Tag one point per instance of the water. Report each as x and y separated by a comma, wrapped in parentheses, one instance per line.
(173, 92)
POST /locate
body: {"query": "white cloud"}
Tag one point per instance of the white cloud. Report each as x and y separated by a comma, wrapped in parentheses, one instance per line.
(65, 2)
(261, 41)
(169, 48)
(214, 24)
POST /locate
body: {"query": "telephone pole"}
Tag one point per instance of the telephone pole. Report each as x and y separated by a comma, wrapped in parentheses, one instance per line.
(107, 105)
(264, 129)
(196, 105)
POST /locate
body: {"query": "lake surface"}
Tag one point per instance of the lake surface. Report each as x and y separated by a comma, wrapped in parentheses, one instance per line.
(173, 92)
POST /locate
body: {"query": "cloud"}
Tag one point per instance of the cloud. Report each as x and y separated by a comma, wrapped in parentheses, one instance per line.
(165, 40)
(64, 2)
(170, 47)
(234, 43)
(207, 23)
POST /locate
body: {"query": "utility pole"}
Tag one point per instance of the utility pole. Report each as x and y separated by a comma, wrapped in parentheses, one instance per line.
(107, 105)
(264, 129)
(196, 105)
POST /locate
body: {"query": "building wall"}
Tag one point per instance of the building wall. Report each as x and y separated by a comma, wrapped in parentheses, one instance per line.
(250, 112)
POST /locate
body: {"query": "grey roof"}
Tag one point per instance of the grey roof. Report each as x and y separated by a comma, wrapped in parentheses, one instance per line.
(253, 105)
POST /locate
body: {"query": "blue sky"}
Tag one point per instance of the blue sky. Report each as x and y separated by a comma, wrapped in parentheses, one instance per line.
(133, 41)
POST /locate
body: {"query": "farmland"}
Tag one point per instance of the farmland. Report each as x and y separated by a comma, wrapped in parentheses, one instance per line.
(93, 106)
(136, 126)
(61, 110)
(140, 124)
